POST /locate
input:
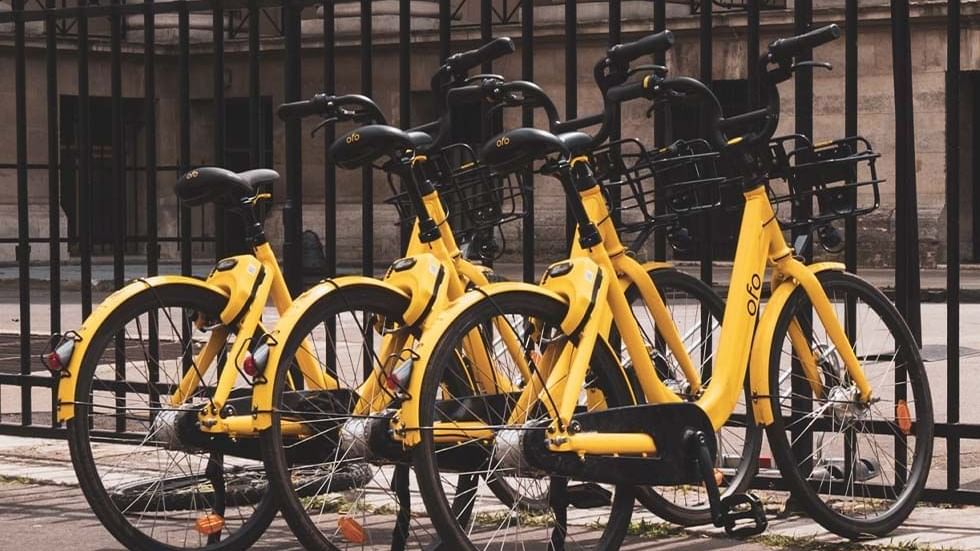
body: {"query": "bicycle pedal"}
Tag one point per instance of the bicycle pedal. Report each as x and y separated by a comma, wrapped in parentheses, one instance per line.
(737, 508)
(588, 495)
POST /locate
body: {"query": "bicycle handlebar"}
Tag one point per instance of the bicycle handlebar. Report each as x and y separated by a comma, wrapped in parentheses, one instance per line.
(463, 62)
(785, 48)
(623, 54)
(342, 108)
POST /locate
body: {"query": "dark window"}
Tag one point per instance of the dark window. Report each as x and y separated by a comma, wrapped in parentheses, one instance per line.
(108, 200)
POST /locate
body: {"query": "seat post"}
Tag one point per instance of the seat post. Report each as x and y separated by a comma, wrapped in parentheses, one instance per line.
(412, 173)
(574, 179)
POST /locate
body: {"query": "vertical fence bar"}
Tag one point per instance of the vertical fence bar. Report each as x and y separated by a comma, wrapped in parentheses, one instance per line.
(23, 231)
(486, 33)
(803, 89)
(404, 87)
(54, 186)
(850, 115)
(527, 73)
(445, 32)
(184, 116)
(218, 116)
(906, 209)
(367, 180)
(150, 126)
(293, 209)
(616, 128)
(84, 188)
(659, 132)
(118, 214)
(329, 134)
(953, 240)
(256, 113)
(118, 205)
(706, 61)
(571, 90)
(329, 171)
(752, 51)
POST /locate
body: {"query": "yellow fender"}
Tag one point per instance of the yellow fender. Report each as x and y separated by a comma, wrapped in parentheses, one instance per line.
(262, 394)
(762, 345)
(406, 423)
(69, 376)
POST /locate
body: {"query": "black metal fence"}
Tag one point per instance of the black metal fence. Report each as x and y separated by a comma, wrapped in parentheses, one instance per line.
(93, 160)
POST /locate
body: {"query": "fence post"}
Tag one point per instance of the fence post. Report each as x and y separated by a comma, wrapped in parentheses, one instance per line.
(23, 235)
(292, 215)
(367, 179)
(906, 209)
(953, 240)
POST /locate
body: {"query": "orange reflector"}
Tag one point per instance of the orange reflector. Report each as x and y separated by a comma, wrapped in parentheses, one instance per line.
(351, 530)
(210, 524)
(719, 478)
(536, 357)
(903, 417)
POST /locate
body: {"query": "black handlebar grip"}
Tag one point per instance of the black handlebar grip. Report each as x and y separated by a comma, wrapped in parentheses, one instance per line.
(793, 46)
(490, 51)
(626, 92)
(305, 108)
(654, 43)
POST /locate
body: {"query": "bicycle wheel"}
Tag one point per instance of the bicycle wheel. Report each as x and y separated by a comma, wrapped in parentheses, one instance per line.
(697, 312)
(147, 478)
(336, 486)
(453, 475)
(857, 468)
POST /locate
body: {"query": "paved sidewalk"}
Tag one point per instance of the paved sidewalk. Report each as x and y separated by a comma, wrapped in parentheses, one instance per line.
(41, 507)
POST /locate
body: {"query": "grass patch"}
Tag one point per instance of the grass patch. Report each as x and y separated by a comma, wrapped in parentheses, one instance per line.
(812, 544)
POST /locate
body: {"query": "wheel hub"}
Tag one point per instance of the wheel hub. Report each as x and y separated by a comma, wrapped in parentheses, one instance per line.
(845, 404)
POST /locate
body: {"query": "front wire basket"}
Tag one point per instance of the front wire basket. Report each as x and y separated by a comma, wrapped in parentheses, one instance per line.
(812, 185)
(477, 201)
(683, 177)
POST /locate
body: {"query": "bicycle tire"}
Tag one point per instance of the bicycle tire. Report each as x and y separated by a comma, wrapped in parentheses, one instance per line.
(808, 476)
(105, 504)
(610, 382)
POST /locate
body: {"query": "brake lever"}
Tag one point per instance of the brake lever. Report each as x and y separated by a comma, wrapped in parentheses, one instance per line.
(658, 70)
(483, 76)
(822, 64)
(323, 123)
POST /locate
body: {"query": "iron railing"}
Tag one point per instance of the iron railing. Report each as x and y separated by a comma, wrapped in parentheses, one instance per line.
(47, 35)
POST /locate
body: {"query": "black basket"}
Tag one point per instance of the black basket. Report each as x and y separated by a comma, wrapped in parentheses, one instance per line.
(684, 174)
(836, 179)
(476, 200)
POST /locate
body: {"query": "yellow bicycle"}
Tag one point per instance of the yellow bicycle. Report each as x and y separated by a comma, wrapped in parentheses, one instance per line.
(364, 333)
(155, 388)
(835, 375)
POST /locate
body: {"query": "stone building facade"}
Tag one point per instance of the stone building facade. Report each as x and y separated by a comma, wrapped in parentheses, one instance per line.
(876, 109)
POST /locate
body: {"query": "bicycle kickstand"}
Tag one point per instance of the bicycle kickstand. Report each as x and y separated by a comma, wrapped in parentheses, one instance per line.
(731, 511)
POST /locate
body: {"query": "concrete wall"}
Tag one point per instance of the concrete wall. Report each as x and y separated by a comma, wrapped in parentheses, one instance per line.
(876, 109)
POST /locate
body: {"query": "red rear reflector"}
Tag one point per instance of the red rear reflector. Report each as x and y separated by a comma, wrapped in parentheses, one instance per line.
(249, 366)
(903, 417)
(351, 530)
(209, 524)
(765, 462)
(53, 361)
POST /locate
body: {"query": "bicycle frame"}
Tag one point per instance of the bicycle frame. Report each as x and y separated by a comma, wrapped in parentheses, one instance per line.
(760, 243)
(430, 276)
(249, 281)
